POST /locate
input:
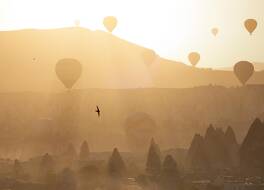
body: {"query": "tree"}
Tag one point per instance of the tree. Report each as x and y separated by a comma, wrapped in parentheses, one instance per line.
(47, 170)
(84, 151)
(232, 147)
(170, 167)
(230, 136)
(153, 165)
(169, 179)
(67, 180)
(116, 171)
(216, 150)
(116, 165)
(196, 157)
(70, 156)
(90, 177)
(251, 150)
(18, 171)
(47, 163)
(157, 148)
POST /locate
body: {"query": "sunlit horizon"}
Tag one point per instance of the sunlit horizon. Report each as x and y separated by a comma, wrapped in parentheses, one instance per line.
(171, 28)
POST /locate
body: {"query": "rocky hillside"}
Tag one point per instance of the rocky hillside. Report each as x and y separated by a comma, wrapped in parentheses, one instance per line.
(28, 58)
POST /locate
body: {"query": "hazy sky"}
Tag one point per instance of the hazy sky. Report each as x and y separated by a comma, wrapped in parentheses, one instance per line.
(172, 28)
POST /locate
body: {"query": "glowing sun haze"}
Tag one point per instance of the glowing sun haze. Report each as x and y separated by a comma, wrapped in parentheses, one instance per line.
(172, 28)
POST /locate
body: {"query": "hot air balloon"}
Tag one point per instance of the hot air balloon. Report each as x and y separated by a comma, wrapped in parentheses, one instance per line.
(77, 23)
(251, 25)
(68, 71)
(149, 56)
(110, 23)
(194, 58)
(243, 71)
(215, 31)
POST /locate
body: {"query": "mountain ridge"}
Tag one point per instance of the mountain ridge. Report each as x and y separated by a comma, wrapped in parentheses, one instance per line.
(28, 58)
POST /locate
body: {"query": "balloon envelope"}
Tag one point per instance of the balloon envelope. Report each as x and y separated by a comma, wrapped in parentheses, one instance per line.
(149, 56)
(194, 58)
(68, 71)
(250, 25)
(110, 23)
(243, 71)
(77, 23)
(215, 31)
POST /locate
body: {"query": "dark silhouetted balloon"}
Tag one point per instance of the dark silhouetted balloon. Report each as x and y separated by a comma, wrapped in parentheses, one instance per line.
(68, 71)
(149, 56)
(194, 58)
(140, 128)
(251, 25)
(243, 70)
(215, 31)
(110, 23)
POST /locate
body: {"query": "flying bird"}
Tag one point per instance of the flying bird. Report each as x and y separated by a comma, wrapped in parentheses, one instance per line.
(98, 111)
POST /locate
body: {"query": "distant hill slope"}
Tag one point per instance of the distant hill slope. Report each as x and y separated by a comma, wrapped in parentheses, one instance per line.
(28, 58)
(36, 119)
(257, 65)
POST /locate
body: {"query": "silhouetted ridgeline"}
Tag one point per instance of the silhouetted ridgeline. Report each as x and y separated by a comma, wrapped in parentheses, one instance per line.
(28, 59)
(41, 121)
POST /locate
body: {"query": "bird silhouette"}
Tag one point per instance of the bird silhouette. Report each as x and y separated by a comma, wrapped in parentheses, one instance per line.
(98, 111)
